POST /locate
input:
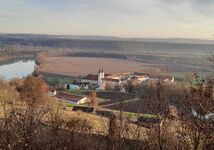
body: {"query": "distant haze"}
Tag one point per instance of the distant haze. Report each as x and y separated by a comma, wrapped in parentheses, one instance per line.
(123, 18)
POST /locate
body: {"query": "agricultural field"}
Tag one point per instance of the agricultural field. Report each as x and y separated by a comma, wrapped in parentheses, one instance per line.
(77, 66)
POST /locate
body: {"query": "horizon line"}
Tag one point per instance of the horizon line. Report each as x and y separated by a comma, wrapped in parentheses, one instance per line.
(106, 36)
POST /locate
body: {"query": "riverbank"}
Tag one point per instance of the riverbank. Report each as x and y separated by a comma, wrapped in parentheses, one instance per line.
(7, 60)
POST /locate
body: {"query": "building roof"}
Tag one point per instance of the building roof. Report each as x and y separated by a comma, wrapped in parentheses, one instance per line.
(83, 109)
(51, 89)
(69, 97)
(91, 77)
(112, 80)
(107, 74)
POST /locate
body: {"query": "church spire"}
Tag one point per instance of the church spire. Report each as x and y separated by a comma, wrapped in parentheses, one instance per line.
(102, 70)
(99, 71)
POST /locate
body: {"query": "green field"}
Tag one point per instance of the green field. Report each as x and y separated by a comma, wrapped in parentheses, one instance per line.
(56, 80)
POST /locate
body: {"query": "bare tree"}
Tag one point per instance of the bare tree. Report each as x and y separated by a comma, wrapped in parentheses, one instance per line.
(198, 119)
(33, 91)
(93, 98)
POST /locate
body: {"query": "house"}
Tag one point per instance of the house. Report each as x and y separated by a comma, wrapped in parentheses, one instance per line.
(91, 79)
(149, 122)
(138, 78)
(142, 78)
(112, 82)
(51, 91)
(163, 78)
(71, 87)
(72, 98)
(83, 109)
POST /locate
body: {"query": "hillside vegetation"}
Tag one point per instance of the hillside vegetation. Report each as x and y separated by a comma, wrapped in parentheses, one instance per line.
(29, 119)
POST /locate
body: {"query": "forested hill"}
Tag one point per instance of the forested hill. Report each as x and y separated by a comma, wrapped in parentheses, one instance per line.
(103, 44)
(175, 54)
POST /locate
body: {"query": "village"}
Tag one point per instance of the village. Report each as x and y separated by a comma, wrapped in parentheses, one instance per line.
(116, 82)
(109, 89)
(106, 75)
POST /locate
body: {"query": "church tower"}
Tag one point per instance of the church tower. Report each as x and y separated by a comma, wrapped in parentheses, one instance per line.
(173, 79)
(101, 76)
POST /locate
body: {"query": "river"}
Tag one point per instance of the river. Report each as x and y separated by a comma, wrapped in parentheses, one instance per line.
(17, 69)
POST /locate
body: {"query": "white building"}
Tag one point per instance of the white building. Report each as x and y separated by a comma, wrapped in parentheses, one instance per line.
(101, 76)
(91, 79)
(101, 80)
(109, 80)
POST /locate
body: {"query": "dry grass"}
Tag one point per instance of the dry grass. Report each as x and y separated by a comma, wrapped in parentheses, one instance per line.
(99, 124)
(82, 65)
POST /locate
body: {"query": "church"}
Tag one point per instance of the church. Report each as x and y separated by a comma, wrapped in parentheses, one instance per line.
(107, 80)
(101, 80)
(101, 76)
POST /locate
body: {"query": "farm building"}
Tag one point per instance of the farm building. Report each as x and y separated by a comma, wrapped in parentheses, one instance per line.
(72, 98)
(71, 87)
(149, 122)
(83, 109)
(51, 91)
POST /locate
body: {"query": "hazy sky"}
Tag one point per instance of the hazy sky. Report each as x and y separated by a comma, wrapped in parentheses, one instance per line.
(125, 18)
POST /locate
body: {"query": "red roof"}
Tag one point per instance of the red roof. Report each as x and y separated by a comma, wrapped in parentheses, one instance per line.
(112, 80)
(68, 96)
(91, 77)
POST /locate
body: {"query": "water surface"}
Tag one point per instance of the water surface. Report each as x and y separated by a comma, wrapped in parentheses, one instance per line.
(17, 69)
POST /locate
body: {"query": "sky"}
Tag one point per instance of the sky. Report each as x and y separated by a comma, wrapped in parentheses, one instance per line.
(122, 18)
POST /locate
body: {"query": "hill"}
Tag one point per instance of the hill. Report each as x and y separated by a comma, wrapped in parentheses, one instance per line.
(175, 55)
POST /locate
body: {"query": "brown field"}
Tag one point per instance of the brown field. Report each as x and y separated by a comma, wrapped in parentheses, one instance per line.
(76, 66)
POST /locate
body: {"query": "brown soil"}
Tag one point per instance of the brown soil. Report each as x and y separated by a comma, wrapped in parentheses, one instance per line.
(76, 66)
